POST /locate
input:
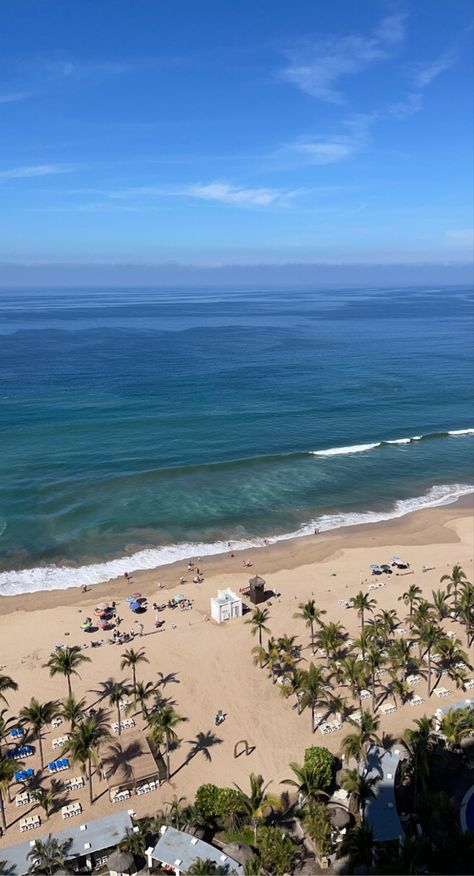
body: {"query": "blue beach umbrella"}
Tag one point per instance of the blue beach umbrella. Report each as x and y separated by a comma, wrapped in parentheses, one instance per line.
(135, 606)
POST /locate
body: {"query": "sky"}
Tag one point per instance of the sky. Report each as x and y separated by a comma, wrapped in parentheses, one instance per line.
(219, 132)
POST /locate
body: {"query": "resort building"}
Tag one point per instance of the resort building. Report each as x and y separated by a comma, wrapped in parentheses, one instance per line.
(180, 850)
(88, 846)
(225, 606)
(128, 766)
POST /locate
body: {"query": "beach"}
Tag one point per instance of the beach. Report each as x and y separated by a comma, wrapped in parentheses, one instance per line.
(209, 667)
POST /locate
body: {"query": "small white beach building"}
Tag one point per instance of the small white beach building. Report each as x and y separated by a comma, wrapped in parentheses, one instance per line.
(225, 606)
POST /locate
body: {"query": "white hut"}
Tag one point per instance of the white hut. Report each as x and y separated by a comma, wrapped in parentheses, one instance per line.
(225, 605)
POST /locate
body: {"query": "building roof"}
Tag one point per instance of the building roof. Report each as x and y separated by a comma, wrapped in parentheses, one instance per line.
(381, 811)
(178, 846)
(226, 595)
(97, 837)
(127, 760)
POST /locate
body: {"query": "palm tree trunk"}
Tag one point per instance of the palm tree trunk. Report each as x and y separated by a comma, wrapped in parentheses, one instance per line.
(254, 830)
(168, 772)
(134, 673)
(89, 764)
(2, 808)
(429, 673)
(119, 721)
(69, 685)
(312, 638)
(40, 741)
(260, 636)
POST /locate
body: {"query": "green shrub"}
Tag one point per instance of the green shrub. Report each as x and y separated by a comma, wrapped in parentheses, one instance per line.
(322, 762)
(278, 852)
(318, 826)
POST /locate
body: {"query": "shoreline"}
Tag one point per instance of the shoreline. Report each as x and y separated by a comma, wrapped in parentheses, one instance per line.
(204, 667)
(420, 524)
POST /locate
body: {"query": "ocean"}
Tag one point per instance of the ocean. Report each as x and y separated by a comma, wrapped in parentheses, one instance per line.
(141, 426)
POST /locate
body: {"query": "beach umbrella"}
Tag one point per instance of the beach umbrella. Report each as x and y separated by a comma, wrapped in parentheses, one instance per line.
(104, 606)
(136, 595)
(135, 606)
(374, 566)
(257, 581)
(86, 625)
(179, 597)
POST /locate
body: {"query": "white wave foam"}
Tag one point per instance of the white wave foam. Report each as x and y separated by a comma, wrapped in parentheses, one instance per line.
(399, 441)
(62, 577)
(457, 432)
(336, 451)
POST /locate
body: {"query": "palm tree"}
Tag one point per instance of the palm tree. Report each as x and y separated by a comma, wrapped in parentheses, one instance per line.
(289, 650)
(373, 662)
(162, 724)
(65, 661)
(354, 676)
(389, 620)
(143, 692)
(258, 620)
(47, 856)
(311, 690)
(311, 615)
(73, 710)
(45, 799)
(38, 715)
(270, 656)
(410, 598)
(307, 783)
(456, 724)
(6, 683)
(6, 725)
(466, 611)
(360, 789)
(8, 769)
(362, 603)
(429, 637)
(357, 744)
(358, 845)
(131, 659)
(352, 747)
(330, 638)
(455, 581)
(440, 603)
(203, 867)
(83, 746)
(134, 842)
(115, 694)
(400, 655)
(419, 744)
(398, 687)
(258, 802)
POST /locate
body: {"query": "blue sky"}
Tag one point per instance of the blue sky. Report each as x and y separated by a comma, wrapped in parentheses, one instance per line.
(224, 132)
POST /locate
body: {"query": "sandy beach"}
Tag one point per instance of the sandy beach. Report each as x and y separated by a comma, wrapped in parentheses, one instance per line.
(210, 667)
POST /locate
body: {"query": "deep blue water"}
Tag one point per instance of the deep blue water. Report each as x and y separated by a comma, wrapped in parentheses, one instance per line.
(141, 419)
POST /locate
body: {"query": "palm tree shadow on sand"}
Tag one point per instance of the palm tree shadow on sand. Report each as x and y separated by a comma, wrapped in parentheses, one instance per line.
(200, 745)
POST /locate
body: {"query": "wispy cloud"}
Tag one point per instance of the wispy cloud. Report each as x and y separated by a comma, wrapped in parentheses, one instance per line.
(317, 67)
(330, 149)
(424, 73)
(34, 170)
(229, 194)
(461, 237)
(14, 96)
(217, 190)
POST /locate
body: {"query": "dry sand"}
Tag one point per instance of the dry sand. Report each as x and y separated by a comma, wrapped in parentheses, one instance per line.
(212, 665)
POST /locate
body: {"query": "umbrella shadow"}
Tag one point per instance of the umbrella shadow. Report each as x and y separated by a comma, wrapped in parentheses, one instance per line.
(106, 688)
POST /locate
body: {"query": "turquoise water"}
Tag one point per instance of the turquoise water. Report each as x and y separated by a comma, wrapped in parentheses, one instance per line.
(137, 426)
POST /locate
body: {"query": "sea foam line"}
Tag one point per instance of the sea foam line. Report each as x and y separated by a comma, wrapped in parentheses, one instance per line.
(363, 448)
(61, 577)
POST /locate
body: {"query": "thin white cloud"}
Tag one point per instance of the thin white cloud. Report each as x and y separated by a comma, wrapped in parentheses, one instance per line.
(424, 73)
(34, 170)
(319, 149)
(217, 190)
(317, 67)
(228, 194)
(404, 109)
(461, 237)
(14, 96)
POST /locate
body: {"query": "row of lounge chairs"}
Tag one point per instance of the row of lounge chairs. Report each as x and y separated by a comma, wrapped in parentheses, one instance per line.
(19, 753)
(124, 725)
(145, 789)
(57, 766)
(24, 775)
